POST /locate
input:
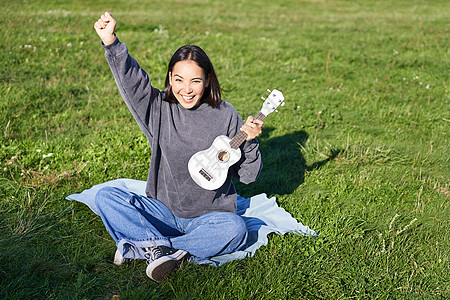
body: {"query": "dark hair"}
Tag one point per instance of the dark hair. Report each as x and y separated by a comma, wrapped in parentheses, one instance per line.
(212, 93)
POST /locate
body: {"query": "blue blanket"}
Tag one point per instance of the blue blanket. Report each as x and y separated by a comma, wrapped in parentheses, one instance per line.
(261, 214)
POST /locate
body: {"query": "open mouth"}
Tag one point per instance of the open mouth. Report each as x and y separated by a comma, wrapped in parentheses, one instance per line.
(188, 99)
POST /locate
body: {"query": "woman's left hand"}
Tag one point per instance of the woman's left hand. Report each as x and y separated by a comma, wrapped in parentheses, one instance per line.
(252, 128)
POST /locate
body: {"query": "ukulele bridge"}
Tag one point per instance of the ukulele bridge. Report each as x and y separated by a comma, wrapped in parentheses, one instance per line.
(205, 174)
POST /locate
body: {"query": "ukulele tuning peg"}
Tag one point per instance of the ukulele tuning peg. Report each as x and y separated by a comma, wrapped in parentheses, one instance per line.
(263, 98)
(269, 91)
(283, 103)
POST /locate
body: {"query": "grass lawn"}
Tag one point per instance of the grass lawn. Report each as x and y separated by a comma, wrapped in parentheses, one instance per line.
(360, 152)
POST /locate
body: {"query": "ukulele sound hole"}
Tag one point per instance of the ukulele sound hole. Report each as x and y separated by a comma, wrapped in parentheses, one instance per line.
(223, 156)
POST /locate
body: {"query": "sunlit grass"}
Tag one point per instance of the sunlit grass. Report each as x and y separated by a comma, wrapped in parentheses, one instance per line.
(359, 152)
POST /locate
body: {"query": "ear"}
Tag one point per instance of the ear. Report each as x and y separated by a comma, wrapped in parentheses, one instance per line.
(170, 78)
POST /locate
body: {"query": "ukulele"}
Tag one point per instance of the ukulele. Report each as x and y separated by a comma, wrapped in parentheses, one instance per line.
(209, 168)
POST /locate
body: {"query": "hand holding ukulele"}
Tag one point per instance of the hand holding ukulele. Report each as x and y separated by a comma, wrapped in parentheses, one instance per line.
(252, 128)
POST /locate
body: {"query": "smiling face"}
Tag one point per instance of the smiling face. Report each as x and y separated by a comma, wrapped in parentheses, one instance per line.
(188, 83)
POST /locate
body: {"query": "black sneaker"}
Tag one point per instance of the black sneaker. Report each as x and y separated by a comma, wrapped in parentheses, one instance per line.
(163, 260)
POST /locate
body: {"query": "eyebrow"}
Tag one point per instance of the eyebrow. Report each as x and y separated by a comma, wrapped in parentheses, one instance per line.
(195, 78)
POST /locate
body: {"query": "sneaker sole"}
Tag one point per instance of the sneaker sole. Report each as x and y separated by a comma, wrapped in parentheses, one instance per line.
(118, 258)
(160, 268)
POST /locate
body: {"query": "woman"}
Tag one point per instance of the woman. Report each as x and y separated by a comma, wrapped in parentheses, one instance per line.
(177, 218)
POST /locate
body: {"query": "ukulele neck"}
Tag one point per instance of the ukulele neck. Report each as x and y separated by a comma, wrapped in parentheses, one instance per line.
(239, 138)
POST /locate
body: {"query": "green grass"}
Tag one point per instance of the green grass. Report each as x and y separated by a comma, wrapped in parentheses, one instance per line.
(359, 152)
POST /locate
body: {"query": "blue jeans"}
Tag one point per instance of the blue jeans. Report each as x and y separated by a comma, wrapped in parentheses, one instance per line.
(135, 222)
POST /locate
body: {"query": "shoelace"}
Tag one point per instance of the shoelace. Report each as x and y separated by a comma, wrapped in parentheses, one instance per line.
(152, 254)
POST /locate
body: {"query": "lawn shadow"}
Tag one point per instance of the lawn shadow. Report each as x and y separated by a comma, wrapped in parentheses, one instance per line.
(284, 166)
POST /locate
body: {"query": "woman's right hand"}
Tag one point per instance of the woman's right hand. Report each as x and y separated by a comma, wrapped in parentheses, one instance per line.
(105, 27)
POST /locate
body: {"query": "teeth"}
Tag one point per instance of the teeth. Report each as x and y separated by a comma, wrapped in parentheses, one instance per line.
(188, 98)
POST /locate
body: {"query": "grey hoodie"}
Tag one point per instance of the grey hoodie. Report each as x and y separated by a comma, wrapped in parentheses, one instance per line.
(175, 134)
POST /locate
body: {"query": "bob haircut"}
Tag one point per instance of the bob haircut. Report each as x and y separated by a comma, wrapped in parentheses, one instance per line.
(212, 93)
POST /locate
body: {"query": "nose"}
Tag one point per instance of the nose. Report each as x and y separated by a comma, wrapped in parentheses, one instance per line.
(187, 88)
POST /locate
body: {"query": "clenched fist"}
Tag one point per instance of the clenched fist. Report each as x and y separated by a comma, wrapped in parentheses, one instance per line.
(105, 27)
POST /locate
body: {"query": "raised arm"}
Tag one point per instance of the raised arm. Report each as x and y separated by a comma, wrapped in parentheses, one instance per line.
(133, 82)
